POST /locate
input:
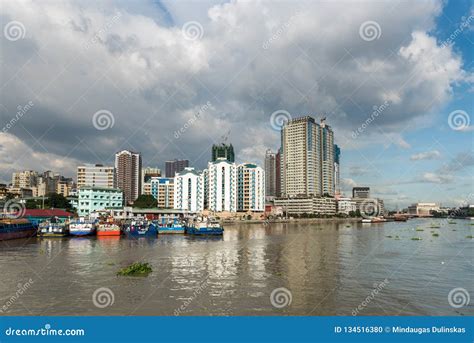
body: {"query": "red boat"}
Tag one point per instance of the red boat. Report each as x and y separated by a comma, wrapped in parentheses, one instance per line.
(109, 228)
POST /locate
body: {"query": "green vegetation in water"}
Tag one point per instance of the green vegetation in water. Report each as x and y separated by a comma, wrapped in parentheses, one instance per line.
(435, 235)
(470, 236)
(389, 236)
(416, 239)
(471, 223)
(136, 269)
(110, 264)
(396, 237)
(451, 222)
(420, 230)
(454, 230)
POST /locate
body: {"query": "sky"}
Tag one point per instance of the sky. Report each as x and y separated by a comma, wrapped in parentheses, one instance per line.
(81, 80)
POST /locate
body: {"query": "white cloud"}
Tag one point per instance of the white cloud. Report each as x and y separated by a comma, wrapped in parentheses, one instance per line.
(428, 155)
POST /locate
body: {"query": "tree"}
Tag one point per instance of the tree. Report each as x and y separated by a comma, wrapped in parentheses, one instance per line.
(31, 204)
(145, 201)
(56, 200)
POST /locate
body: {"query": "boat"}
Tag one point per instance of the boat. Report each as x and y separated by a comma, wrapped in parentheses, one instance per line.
(108, 228)
(53, 227)
(141, 228)
(204, 226)
(171, 226)
(366, 220)
(400, 218)
(16, 228)
(82, 227)
(374, 220)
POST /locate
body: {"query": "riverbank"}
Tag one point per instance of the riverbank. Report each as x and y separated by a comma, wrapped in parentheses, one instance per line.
(293, 220)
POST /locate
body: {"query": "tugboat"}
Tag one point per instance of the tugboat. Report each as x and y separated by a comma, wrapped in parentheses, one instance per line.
(204, 226)
(108, 228)
(53, 227)
(82, 227)
(16, 228)
(141, 228)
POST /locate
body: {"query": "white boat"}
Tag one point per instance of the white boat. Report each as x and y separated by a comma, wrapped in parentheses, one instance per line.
(82, 227)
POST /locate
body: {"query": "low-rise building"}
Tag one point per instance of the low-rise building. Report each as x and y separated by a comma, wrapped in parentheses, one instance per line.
(92, 199)
(346, 206)
(308, 205)
(422, 209)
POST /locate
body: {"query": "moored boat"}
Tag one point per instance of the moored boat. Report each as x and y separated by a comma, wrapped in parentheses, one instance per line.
(16, 228)
(141, 228)
(175, 226)
(82, 227)
(53, 227)
(108, 228)
(204, 226)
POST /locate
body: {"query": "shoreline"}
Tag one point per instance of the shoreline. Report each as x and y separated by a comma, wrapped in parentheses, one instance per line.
(294, 220)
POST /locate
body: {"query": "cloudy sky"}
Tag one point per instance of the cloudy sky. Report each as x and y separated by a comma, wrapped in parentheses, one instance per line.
(81, 80)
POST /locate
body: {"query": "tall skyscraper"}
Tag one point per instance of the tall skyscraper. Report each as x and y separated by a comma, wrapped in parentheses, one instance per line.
(128, 174)
(250, 188)
(307, 158)
(223, 151)
(337, 169)
(327, 158)
(270, 173)
(176, 166)
(278, 173)
(95, 175)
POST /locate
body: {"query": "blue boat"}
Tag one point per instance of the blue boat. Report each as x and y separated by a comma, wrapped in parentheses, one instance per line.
(141, 228)
(171, 226)
(204, 226)
(16, 228)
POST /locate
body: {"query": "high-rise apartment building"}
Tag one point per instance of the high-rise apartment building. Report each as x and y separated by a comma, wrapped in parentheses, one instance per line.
(222, 186)
(250, 188)
(176, 166)
(337, 169)
(189, 191)
(307, 158)
(223, 151)
(270, 173)
(162, 189)
(128, 172)
(95, 175)
(278, 174)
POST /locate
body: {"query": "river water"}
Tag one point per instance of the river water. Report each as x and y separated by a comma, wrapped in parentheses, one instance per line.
(278, 269)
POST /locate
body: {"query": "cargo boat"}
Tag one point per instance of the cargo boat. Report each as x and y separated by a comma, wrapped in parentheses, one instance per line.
(141, 228)
(204, 226)
(53, 227)
(16, 228)
(108, 228)
(82, 227)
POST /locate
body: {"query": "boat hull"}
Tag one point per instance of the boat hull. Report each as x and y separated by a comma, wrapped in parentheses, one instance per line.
(81, 233)
(108, 233)
(204, 231)
(25, 233)
(171, 230)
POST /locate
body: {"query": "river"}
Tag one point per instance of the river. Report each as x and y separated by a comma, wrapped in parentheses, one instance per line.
(393, 268)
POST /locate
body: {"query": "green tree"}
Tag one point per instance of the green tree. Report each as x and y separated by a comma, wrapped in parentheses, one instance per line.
(145, 201)
(31, 204)
(56, 200)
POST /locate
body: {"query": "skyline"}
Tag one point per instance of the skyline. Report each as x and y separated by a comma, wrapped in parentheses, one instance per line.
(233, 76)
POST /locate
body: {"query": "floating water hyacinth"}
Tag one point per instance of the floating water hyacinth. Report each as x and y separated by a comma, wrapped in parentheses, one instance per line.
(136, 269)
